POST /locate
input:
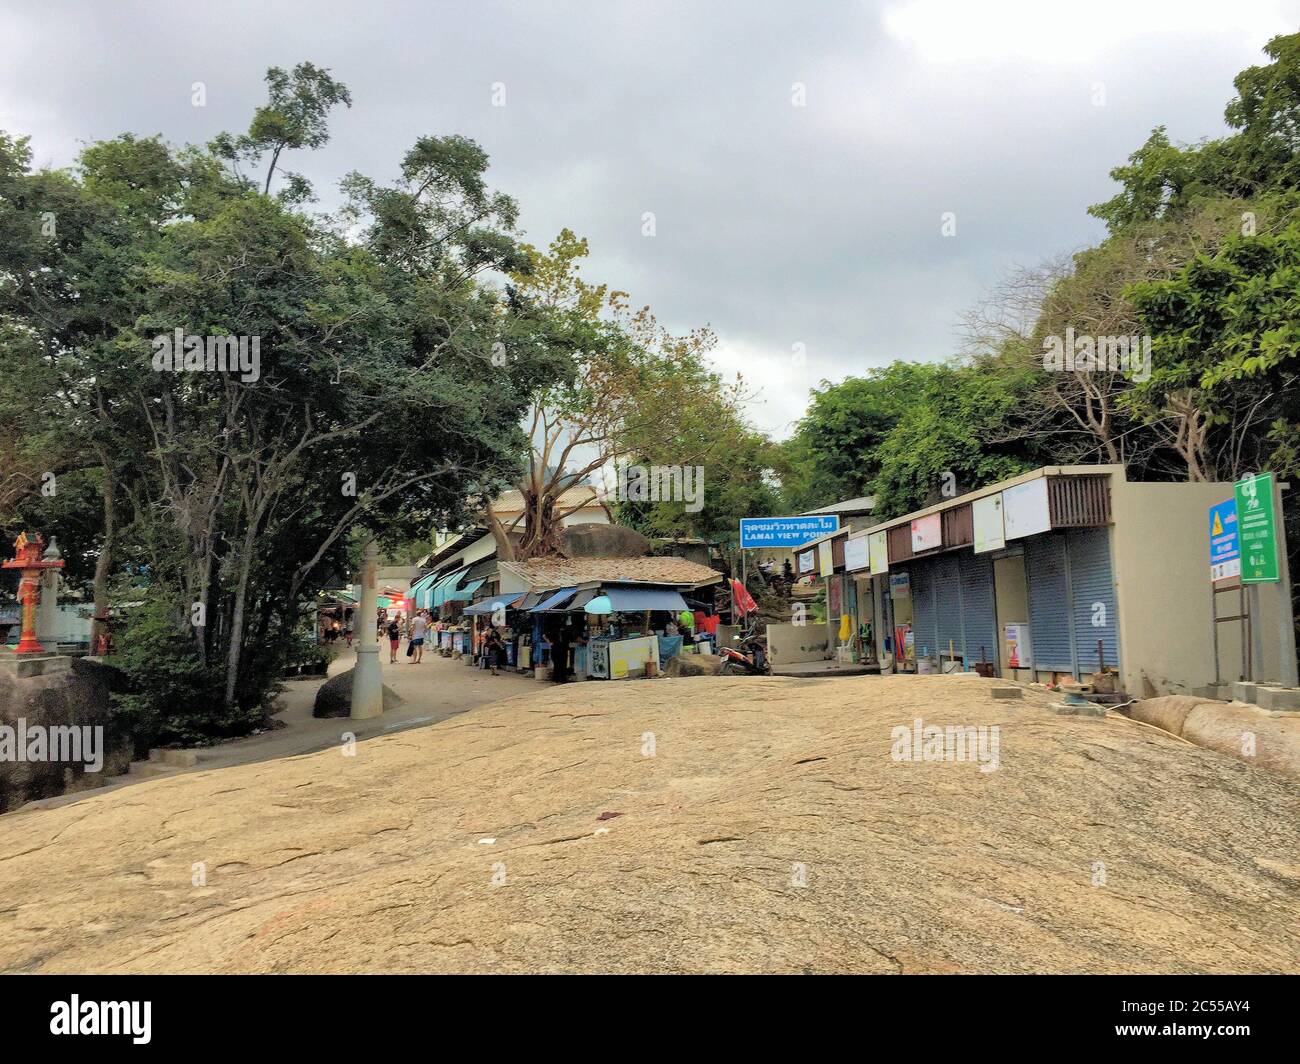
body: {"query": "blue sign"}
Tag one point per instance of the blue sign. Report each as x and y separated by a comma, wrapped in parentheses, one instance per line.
(788, 532)
(1225, 546)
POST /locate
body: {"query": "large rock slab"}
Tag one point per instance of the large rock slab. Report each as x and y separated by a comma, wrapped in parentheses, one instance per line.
(767, 829)
(334, 699)
(693, 665)
(77, 696)
(1268, 740)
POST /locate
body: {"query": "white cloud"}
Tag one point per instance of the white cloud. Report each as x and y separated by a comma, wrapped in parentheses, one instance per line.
(1047, 32)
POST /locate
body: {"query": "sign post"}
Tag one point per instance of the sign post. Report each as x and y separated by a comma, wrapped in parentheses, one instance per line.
(1225, 544)
(788, 532)
(1257, 523)
(1263, 559)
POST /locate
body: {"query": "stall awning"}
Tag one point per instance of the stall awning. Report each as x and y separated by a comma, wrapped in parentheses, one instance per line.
(638, 599)
(554, 601)
(581, 599)
(503, 602)
(464, 594)
(419, 591)
(430, 591)
(531, 599)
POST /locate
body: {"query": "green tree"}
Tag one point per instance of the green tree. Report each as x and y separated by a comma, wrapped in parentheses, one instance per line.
(295, 116)
(229, 493)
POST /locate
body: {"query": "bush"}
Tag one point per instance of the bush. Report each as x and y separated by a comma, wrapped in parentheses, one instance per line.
(174, 698)
(306, 654)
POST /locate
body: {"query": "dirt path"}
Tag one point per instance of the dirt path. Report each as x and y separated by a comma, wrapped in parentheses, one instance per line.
(771, 830)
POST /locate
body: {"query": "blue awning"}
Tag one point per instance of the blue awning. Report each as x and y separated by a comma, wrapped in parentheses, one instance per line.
(554, 601)
(433, 591)
(464, 594)
(419, 586)
(638, 599)
(503, 602)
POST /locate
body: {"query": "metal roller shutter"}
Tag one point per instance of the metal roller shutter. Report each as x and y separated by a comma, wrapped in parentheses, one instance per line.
(947, 598)
(923, 608)
(979, 615)
(1092, 588)
(1049, 603)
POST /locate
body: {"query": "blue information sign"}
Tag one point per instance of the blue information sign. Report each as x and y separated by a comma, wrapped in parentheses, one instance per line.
(1225, 546)
(786, 532)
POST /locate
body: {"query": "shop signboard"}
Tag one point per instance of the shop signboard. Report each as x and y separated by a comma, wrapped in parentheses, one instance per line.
(1225, 545)
(1257, 529)
(927, 533)
(1016, 636)
(825, 558)
(900, 585)
(986, 514)
(856, 554)
(1024, 509)
(787, 532)
(629, 656)
(878, 548)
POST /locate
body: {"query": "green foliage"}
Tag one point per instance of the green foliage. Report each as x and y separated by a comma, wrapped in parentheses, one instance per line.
(376, 405)
(898, 432)
(1226, 339)
(832, 455)
(175, 698)
(1262, 158)
(294, 116)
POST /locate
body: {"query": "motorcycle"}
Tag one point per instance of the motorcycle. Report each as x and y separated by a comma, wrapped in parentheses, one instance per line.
(747, 658)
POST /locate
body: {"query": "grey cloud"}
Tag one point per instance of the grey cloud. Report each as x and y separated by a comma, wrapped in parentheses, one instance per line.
(775, 224)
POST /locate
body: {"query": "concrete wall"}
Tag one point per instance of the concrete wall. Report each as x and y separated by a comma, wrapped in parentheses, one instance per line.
(1011, 601)
(1161, 564)
(788, 643)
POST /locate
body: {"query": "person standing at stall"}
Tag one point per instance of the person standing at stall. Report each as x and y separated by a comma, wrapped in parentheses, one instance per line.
(560, 655)
(495, 650)
(418, 627)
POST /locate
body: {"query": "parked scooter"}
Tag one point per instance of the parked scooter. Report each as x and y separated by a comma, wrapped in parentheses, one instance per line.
(748, 657)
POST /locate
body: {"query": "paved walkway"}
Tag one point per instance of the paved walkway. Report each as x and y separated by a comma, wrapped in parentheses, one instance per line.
(431, 691)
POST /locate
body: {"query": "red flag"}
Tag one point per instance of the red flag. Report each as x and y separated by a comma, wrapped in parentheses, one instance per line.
(744, 600)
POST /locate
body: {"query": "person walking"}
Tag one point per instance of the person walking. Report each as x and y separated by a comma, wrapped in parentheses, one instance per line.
(394, 640)
(418, 627)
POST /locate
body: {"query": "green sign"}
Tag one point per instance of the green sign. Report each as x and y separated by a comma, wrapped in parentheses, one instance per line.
(1257, 529)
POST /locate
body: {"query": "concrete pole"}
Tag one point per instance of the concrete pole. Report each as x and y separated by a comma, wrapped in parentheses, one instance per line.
(48, 608)
(367, 687)
(1286, 630)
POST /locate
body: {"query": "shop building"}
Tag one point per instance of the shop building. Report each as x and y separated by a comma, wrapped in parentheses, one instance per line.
(1059, 573)
(594, 618)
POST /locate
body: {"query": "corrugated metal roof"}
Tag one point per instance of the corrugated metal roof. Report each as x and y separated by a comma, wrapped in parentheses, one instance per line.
(862, 504)
(569, 572)
(993, 489)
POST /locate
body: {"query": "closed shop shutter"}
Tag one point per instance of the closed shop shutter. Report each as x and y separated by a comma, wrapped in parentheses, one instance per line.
(923, 608)
(1092, 587)
(1049, 603)
(978, 612)
(947, 596)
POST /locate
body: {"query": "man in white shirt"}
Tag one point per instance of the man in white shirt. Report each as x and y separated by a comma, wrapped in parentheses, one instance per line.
(418, 627)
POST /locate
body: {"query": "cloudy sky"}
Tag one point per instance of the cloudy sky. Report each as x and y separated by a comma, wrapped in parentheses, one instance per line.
(798, 157)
